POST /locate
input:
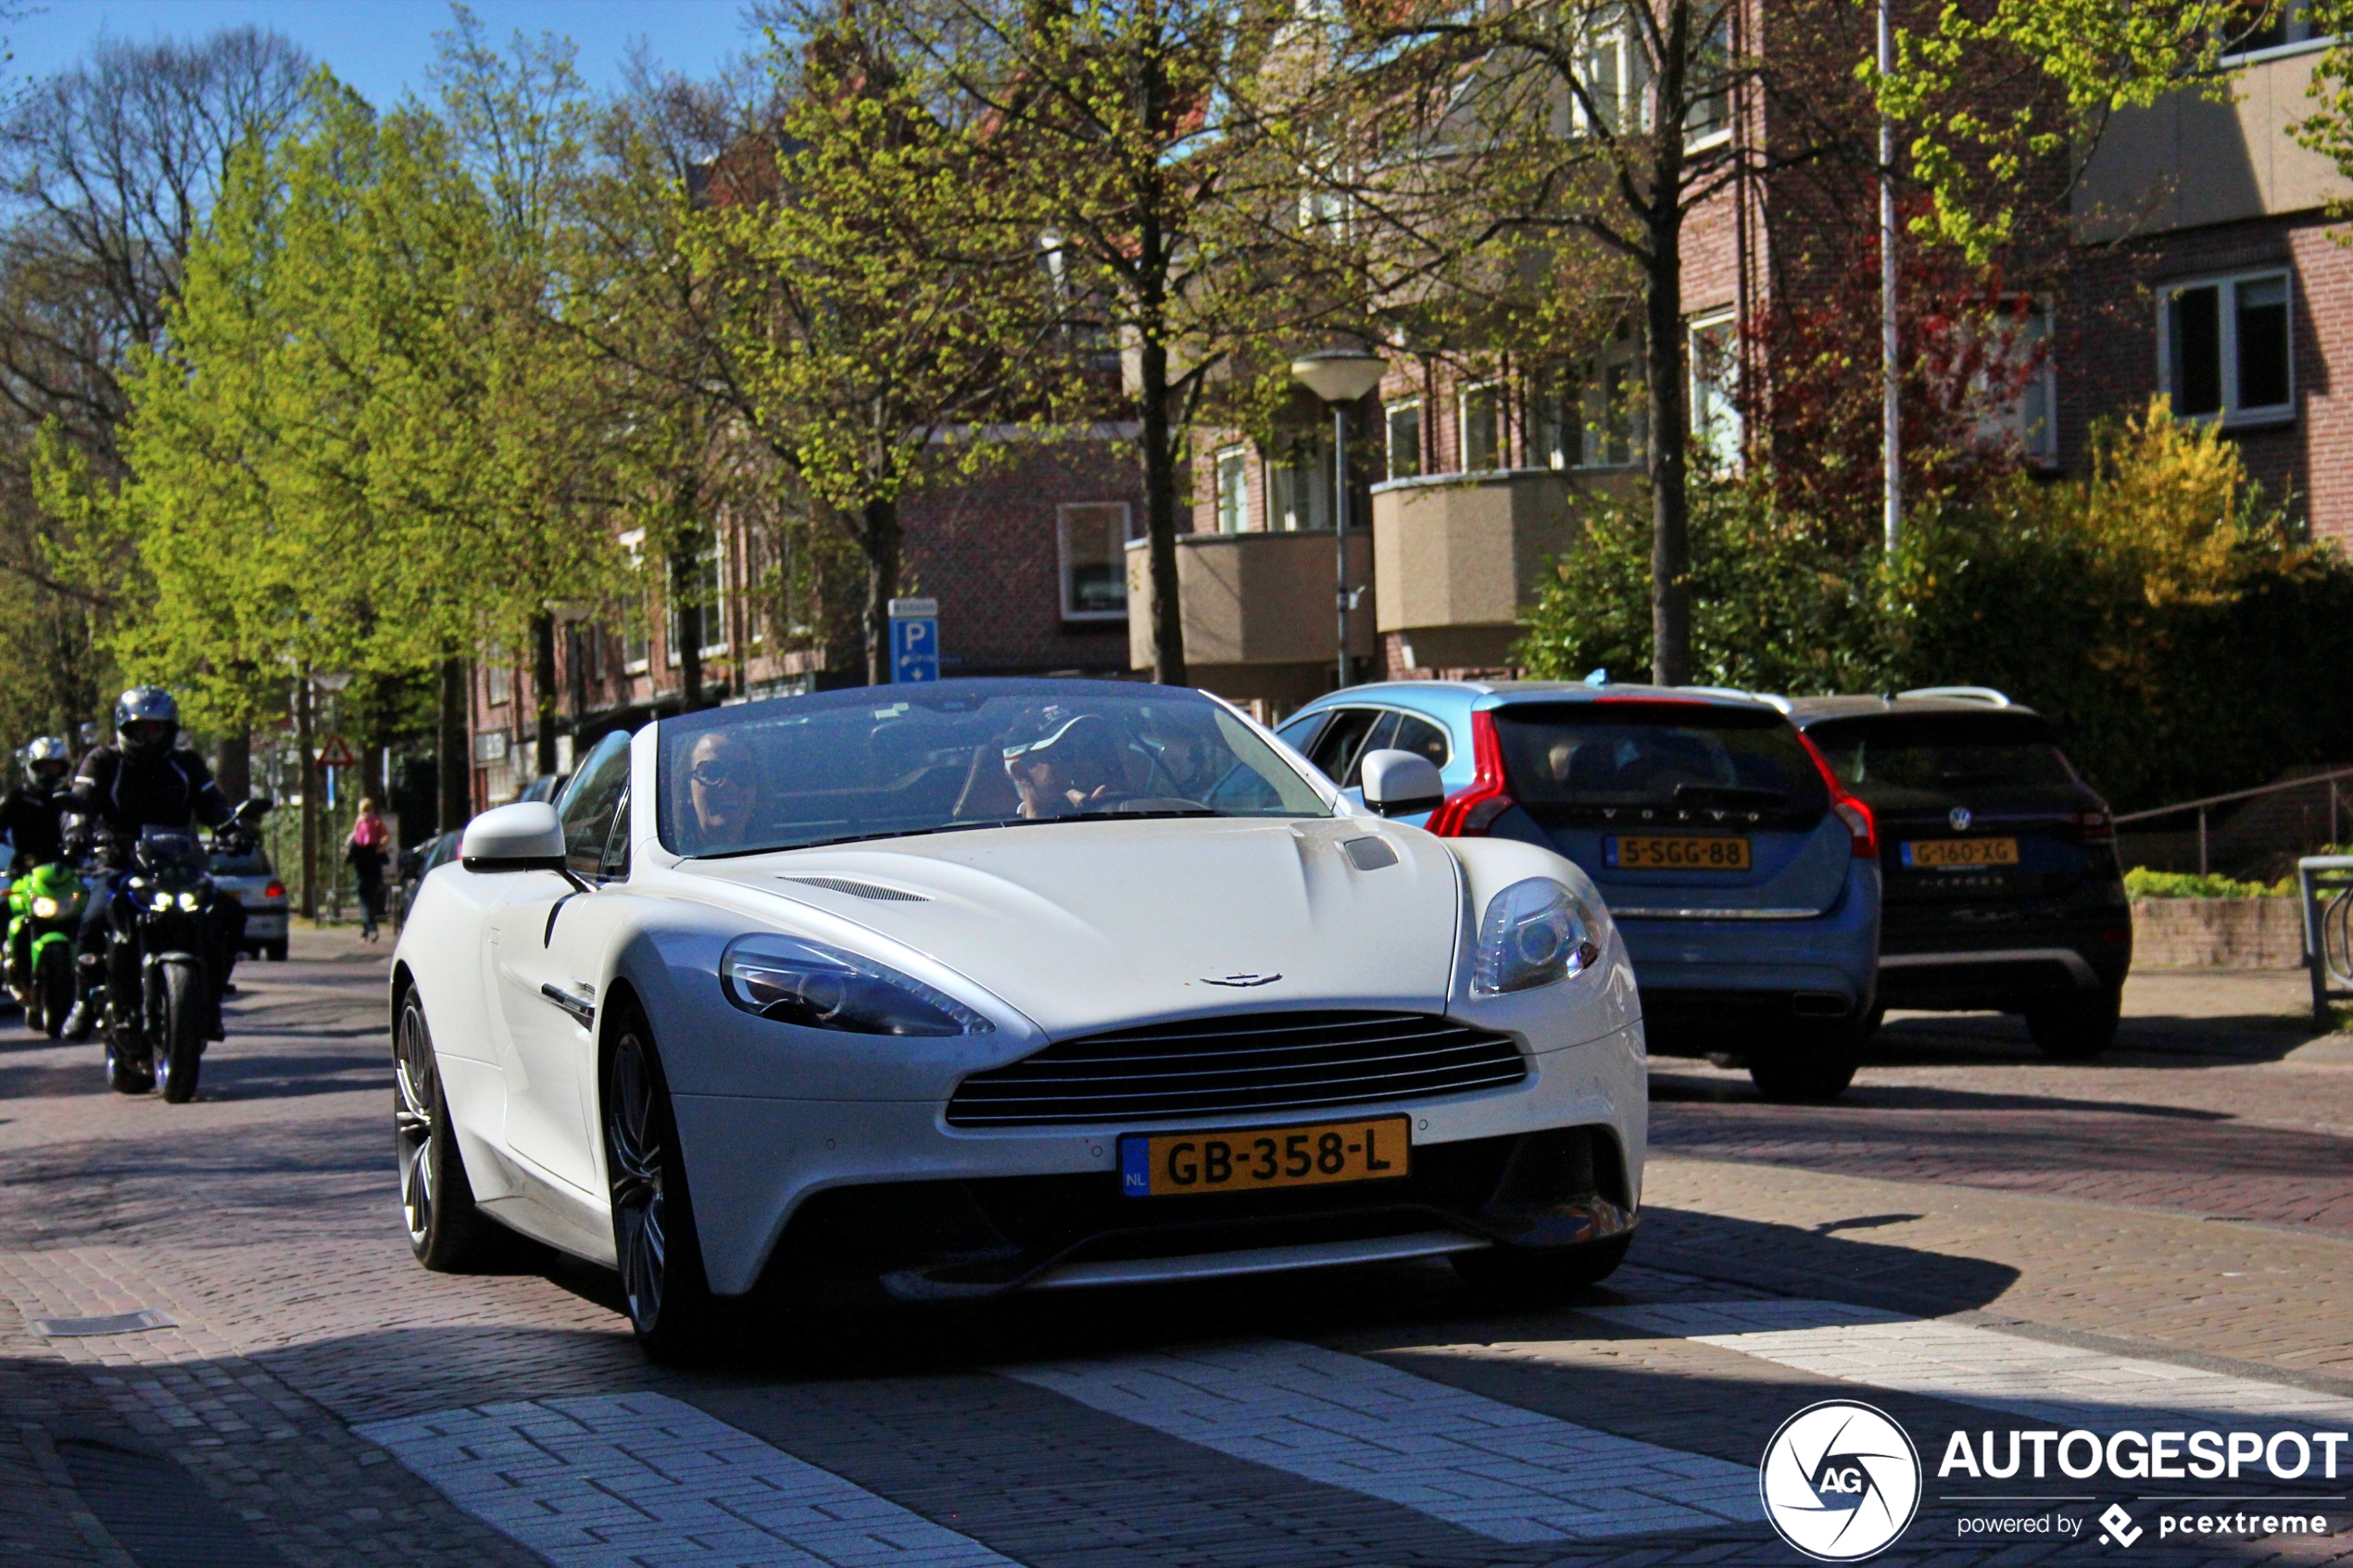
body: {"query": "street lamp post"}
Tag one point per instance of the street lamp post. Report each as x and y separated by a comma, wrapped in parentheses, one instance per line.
(1339, 376)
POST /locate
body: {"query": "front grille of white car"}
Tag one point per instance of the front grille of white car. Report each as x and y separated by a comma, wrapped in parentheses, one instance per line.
(1254, 1062)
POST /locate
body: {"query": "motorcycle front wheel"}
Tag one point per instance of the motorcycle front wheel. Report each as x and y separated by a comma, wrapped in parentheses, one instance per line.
(53, 987)
(175, 1028)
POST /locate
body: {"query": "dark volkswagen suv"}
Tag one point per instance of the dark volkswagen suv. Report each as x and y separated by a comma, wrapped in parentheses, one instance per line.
(2000, 884)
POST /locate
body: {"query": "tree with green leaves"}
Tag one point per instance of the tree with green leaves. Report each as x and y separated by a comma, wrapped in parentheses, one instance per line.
(873, 327)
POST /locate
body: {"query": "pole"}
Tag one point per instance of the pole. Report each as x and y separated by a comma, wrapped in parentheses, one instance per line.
(1339, 528)
(1891, 411)
(2201, 841)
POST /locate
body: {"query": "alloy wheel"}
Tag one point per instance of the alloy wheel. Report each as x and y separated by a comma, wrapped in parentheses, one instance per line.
(634, 1129)
(417, 1090)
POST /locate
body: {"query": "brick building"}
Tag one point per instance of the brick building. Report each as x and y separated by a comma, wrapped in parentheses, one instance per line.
(2200, 261)
(1024, 561)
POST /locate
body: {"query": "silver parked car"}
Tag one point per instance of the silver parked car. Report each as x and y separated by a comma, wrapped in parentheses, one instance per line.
(249, 878)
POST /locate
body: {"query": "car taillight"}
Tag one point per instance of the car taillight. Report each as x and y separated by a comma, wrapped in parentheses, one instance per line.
(275, 890)
(1471, 810)
(2099, 827)
(1853, 812)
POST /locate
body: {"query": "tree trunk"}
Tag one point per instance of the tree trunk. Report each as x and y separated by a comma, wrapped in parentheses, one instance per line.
(1159, 516)
(686, 593)
(543, 691)
(879, 538)
(1663, 357)
(453, 760)
(234, 773)
(310, 776)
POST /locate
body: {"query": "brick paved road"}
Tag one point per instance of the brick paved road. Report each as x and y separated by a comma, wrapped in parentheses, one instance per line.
(1978, 1241)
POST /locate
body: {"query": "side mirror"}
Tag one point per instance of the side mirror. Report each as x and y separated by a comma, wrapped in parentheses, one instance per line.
(1398, 783)
(527, 837)
(255, 808)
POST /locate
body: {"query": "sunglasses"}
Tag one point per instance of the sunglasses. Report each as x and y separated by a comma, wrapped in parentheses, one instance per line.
(710, 775)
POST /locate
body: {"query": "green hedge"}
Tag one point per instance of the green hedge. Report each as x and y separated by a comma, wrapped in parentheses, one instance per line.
(2167, 616)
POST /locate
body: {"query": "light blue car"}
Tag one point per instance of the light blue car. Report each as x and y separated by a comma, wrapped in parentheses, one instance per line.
(1744, 877)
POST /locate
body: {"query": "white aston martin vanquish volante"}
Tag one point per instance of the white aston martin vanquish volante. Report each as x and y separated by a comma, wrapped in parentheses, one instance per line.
(939, 992)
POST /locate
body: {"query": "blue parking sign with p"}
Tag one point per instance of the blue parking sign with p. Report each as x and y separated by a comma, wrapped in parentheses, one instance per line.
(915, 641)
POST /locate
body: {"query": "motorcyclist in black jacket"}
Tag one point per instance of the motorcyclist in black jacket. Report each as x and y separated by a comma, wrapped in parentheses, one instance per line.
(143, 781)
(30, 812)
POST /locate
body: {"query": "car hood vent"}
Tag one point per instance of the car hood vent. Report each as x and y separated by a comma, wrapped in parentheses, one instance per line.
(861, 889)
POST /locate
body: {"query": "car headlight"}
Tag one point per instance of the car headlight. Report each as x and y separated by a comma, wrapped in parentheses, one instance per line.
(160, 901)
(795, 980)
(1536, 932)
(189, 901)
(45, 907)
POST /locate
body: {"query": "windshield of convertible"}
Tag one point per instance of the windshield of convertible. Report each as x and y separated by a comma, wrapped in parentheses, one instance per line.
(886, 761)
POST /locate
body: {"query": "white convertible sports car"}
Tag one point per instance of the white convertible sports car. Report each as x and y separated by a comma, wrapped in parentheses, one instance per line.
(939, 992)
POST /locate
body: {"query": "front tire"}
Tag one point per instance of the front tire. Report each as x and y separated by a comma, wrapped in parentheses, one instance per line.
(671, 1307)
(1510, 1270)
(446, 1232)
(2078, 1028)
(53, 987)
(277, 950)
(175, 1027)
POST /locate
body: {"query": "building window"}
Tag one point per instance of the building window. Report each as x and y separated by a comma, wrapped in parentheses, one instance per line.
(1233, 489)
(1302, 498)
(2273, 26)
(2224, 346)
(500, 678)
(1405, 441)
(1596, 415)
(1715, 413)
(702, 584)
(2022, 411)
(1482, 427)
(1094, 560)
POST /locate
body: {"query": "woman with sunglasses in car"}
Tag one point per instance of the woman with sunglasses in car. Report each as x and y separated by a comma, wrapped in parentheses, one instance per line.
(720, 785)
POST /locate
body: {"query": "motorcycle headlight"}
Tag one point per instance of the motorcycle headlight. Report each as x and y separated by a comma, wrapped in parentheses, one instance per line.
(1536, 932)
(189, 901)
(45, 907)
(795, 980)
(160, 901)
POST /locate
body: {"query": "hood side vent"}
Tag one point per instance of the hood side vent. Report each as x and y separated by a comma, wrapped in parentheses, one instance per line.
(859, 889)
(1369, 854)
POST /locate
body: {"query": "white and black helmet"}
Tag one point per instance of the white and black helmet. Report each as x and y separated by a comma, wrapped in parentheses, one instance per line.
(146, 720)
(48, 761)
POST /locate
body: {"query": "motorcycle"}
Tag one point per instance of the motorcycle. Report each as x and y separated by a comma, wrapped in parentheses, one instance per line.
(159, 962)
(45, 914)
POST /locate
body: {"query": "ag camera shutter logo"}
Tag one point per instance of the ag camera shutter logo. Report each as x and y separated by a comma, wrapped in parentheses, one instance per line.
(1840, 1481)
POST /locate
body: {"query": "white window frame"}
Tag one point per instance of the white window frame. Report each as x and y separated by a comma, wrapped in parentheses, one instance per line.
(1236, 461)
(2232, 413)
(714, 609)
(1305, 457)
(1591, 413)
(1728, 445)
(1388, 439)
(1062, 559)
(2298, 37)
(1463, 428)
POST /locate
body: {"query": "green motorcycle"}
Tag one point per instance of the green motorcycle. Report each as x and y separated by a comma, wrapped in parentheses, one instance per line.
(45, 920)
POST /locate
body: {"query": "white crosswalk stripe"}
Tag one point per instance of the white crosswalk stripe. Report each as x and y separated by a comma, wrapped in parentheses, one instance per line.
(641, 1481)
(1507, 1474)
(1977, 1366)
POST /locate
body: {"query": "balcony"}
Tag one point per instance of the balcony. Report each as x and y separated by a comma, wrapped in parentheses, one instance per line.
(1457, 557)
(1259, 618)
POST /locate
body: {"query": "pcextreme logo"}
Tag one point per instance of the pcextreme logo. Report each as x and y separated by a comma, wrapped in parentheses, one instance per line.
(1840, 1481)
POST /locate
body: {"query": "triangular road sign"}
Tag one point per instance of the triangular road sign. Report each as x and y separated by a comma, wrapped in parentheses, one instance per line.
(336, 753)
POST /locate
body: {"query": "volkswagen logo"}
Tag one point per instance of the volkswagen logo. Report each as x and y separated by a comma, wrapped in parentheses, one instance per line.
(1840, 1481)
(1959, 816)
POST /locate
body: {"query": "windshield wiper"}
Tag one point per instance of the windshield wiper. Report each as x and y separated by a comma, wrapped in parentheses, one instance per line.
(1116, 815)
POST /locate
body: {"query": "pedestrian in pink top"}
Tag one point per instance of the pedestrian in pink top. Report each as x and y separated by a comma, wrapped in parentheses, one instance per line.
(366, 851)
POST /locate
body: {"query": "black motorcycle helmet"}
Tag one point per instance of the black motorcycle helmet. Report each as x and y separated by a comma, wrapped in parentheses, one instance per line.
(46, 763)
(147, 721)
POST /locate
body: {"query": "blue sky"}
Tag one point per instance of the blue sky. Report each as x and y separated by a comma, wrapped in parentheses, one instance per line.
(382, 46)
